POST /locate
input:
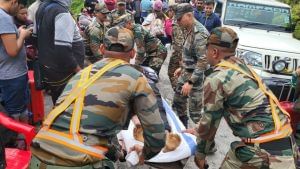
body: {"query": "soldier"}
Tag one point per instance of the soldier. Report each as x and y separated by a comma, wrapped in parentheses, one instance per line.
(176, 56)
(177, 41)
(107, 94)
(150, 52)
(116, 13)
(234, 91)
(295, 83)
(95, 32)
(189, 85)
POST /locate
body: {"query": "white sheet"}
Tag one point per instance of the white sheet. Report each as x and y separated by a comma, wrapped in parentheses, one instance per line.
(185, 149)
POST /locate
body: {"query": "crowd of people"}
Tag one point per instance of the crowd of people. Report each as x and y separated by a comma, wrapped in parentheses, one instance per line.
(83, 63)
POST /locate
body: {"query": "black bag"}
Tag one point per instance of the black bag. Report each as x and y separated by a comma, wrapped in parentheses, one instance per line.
(38, 75)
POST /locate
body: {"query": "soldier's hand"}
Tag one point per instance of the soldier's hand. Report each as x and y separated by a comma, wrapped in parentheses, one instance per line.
(186, 89)
(177, 72)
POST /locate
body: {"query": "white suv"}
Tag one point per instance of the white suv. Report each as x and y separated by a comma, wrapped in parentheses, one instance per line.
(266, 42)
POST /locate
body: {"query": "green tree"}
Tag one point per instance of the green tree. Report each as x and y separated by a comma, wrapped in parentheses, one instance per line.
(76, 6)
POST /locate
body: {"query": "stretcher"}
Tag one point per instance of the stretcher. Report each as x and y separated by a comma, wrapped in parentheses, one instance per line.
(186, 148)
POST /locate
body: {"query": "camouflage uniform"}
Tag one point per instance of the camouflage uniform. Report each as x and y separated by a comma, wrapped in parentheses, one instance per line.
(175, 59)
(150, 51)
(295, 82)
(193, 66)
(95, 34)
(115, 14)
(238, 98)
(109, 104)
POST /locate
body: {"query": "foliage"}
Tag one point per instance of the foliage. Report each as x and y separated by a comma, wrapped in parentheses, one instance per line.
(76, 6)
(297, 31)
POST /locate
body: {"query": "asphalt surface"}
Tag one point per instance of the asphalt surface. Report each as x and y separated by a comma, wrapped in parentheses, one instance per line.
(223, 137)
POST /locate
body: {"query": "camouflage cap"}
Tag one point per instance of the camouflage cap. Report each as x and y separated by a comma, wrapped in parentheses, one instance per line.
(183, 8)
(118, 35)
(223, 37)
(121, 2)
(120, 21)
(101, 7)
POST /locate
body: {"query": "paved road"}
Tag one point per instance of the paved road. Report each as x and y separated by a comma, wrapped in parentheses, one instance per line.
(223, 137)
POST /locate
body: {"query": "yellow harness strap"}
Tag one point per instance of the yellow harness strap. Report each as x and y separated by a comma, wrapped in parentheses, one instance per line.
(76, 92)
(78, 105)
(280, 131)
(73, 140)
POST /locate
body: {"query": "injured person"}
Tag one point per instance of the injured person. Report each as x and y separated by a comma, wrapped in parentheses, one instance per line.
(178, 145)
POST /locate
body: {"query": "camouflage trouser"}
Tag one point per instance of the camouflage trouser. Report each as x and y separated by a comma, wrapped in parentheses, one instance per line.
(194, 100)
(156, 59)
(177, 41)
(160, 105)
(173, 65)
(242, 156)
(35, 163)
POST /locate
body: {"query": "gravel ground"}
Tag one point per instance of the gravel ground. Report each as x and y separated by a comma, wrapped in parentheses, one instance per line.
(223, 137)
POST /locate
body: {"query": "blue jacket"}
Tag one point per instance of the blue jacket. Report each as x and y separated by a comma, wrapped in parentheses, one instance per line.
(210, 22)
(197, 14)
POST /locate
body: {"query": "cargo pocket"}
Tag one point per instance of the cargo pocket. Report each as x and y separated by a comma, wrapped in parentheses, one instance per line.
(241, 151)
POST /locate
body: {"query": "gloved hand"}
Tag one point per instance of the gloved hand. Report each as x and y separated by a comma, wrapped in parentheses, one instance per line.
(294, 79)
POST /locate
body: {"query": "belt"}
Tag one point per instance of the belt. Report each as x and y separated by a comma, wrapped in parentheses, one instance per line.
(274, 147)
